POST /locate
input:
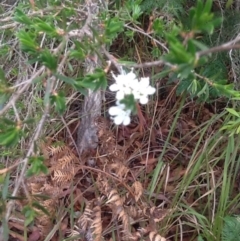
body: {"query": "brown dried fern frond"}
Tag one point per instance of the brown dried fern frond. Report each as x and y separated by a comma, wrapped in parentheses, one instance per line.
(134, 212)
(74, 234)
(157, 214)
(67, 160)
(86, 218)
(103, 184)
(137, 190)
(97, 223)
(45, 221)
(117, 207)
(154, 236)
(56, 149)
(63, 176)
(119, 170)
(114, 198)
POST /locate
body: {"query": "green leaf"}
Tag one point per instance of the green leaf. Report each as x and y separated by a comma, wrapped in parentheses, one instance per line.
(10, 136)
(20, 17)
(59, 100)
(2, 76)
(27, 42)
(113, 27)
(233, 112)
(130, 103)
(5, 229)
(5, 187)
(48, 59)
(95, 81)
(65, 79)
(37, 166)
(29, 214)
(41, 25)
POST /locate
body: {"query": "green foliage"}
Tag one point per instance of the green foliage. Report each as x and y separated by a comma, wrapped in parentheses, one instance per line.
(59, 100)
(130, 103)
(29, 214)
(174, 7)
(92, 81)
(37, 166)
(231, 228)
(232, 126)
(201, 17)
(10, 133)
(113, 26)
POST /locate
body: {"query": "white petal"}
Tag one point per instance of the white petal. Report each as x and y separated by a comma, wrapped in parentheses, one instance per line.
(144, 82)
(150, 90)
(126, 120)
(120, 95)
(136, 94)
(118, 119)
(114, 87)
(114, 110)
(130, 76)
(143, 100)
(134, 83)
(127, 90)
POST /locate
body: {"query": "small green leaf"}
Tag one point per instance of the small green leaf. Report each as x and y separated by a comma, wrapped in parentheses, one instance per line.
(113, 27)
(42, 26)
(37, 166)
(10, 136)
(58, 99)
(95, 81)
(20, 17)
(5, 187)
(48, 59)
(233, 112)
(27, 42)
(65, 79)
(29, 214)
(130, 103)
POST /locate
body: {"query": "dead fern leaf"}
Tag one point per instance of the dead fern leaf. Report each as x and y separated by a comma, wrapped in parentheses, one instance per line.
(134, 212)
(67, 160)
(63, 176)
(103, 184)
(154, 236)
(137, 190)
(97, 223)
(114, 198)
(124, 217)
(86, 218)
(158, 214)
(119, 170)
(54, 150)
(73, 234)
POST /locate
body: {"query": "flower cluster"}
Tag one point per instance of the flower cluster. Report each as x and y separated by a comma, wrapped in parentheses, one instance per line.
(128, 84)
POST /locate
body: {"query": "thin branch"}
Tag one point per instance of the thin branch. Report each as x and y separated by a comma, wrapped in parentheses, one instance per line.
(25, 161)
(17, 94)
(148, 35)
(217, 49)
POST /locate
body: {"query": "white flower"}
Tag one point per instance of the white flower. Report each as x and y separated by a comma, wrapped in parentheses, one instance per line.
(127, 84)
(143, 90)
(124, 84)
(120, 114)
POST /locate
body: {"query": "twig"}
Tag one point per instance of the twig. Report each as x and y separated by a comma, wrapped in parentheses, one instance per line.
(148, 35)
(25, 161)
(84, 30)
(17, 94)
